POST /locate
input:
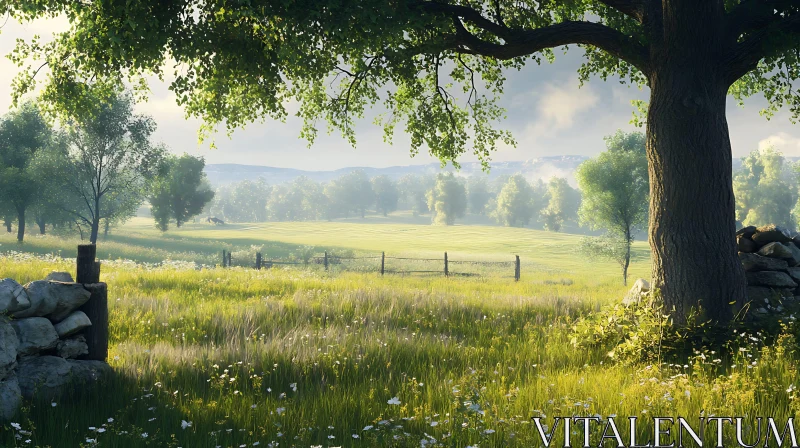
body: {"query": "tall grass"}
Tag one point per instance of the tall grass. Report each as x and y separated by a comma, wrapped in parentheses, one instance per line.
(301, 358)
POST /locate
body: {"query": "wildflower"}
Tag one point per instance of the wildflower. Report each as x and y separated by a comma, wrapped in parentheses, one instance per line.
(16, 426)
(367, 428)
(293, 386)
(489, 431)
(394, 401)
(53, 404)
(280, 410)
(434, 423)
(185, 424)
(110, 420)
(355, 436)
(144, 435)
(101, 430)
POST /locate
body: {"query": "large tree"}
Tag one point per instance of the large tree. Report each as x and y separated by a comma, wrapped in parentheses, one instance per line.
(614, 188)
(765, 189)
(24, 137)
(181, 191)
(386, 194)
(240, 61)
(108, 159)
(516, 203)
(447, 200)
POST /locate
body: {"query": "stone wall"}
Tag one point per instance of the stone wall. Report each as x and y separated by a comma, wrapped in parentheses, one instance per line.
(770, 256)
(41, 340)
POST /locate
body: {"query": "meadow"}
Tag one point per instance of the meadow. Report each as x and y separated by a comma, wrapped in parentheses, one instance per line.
(212, 357)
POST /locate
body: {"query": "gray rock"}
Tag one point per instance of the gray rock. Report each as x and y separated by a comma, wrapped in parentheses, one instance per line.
(771, 234)
(8, 348)
(46, 376)
(35, 334)
(746, 232)
(770, 279)
(72, 347)
(755, 262)
(12, 296)
(54, 300)
(76, 322)
(775, 250)
(10, 398)
(638, 292)
(746, 244)
(794, 273)
(794, 260)
(57, 276)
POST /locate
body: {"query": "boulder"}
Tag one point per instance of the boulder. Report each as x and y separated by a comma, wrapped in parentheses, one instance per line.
(771, 279)
(638, 292)
(746, 244)
(755, 262)
(72, 347)
(794, 273)
(8, 348)
(10, 398)
(76, 322)
(54, 300)
(775, 250)
(758, 294)
(57, 276)
(12, 296)
(35, 334)
(771, 234)
(795, 258)
(746, 232)
(46, 376)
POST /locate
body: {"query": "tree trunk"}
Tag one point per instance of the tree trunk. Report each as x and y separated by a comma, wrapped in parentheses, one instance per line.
(20, 224)
(106, 226)
(42, 226)
(95, 231)
(692, 230)
(626, 262)
(8, 225)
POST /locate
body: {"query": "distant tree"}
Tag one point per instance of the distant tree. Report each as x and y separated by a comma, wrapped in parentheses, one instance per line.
(765, 190)
(248, 201)
(478, 194)
(626, 141)
(563, 203)
(357, 191)
(515, 203)
(615, 190)
(413, 191)
(386, 194)
(447, 199)
(24, 135)
(301, 200)
(108, 160)
(180, 191)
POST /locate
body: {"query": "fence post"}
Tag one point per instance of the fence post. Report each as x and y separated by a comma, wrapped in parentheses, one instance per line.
(229, 259)
(446, 271)
(326, 260)
(383, 262)
(258, 260)
(516, 269)
(96, 308)
(224, 258)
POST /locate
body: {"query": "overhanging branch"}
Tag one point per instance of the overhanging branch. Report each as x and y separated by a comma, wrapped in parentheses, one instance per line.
(631, 8)
(778, 36)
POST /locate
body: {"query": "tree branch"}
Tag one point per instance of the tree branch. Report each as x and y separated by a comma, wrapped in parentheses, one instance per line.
(528, 42)
(773, 39)
(470, 15)
(751, 15)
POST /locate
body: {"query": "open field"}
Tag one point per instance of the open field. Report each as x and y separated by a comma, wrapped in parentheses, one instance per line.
(300, 357)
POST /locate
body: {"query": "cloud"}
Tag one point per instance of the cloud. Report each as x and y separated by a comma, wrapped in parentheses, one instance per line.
(561, 103)
(786, 143)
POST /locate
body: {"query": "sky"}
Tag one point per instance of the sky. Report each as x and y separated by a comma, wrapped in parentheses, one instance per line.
(548, 114)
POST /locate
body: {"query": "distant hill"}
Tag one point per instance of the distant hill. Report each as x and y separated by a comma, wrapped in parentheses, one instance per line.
(539, 168)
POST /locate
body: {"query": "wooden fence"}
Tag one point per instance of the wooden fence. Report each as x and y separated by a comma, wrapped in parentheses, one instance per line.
(327, 260)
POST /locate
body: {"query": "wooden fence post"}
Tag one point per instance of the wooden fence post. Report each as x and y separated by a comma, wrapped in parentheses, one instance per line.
(516, 269)
(224, 258)
(383, 262)
(258, 260)
(229, 259)
(96, 309)
(446, 271)
(326, 260)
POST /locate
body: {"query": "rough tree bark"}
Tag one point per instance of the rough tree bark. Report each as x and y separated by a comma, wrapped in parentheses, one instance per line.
(688, 148)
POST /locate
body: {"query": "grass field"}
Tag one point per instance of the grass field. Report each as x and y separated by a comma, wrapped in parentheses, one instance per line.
(300, 357)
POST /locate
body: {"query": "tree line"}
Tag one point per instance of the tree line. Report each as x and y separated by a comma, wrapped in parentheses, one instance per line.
(87, 174)
(445, 197)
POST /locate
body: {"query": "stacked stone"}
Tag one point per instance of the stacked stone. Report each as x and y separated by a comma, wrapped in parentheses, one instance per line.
(770, 256)
(40, 337)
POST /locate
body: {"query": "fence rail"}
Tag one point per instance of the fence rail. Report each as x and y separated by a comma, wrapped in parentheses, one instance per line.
(327, 260)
